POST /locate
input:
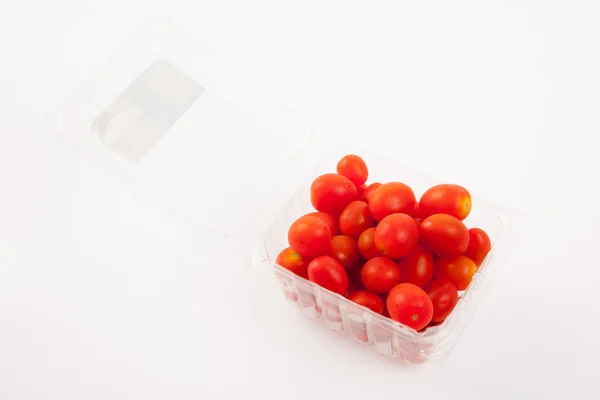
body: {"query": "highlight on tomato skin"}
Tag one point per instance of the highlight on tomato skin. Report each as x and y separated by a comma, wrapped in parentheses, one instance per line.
(448, 199)
(354, 168)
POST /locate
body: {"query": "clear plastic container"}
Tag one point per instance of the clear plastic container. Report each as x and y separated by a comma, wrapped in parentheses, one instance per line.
(180, 124)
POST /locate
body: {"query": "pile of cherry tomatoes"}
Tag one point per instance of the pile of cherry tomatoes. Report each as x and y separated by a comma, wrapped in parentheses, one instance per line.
(383, 249)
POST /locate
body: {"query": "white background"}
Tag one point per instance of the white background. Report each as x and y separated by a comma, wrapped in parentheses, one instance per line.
(103, 298)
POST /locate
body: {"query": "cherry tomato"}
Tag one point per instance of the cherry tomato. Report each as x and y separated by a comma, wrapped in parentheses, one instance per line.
(448, 199)
(354, 168)
(390, 198)
(345, 251)
(331, 193)
(330, 220)
(380, 274)
(369, 191)
(369, 300)
(444, 296)
(325, 271)
(366, 245)
(479, 246)
(291, 260)
(309, 236)
(355, 219)
(458, 269)
(396, 235)
(444, 235)
(410, 305)
(417, 267)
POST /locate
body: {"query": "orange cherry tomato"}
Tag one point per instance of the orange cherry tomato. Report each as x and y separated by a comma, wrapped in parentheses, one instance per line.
(479, 246)
(291, 260)
(368, 192)
(396, 235)
(331, 193)
(325, 271)
(369, 300)
(330, 220)
(391, 198)
(444, 297)
(345, 250)
(458, 269)
(355, 219)
(410, 305)
(417, 267)
(366, 244)
(448, 199)
(444, 235)
(309, 236)
(354, 168)
(380, 274)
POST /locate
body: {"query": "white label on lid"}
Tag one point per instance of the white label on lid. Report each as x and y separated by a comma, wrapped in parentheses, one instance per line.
(132, 124)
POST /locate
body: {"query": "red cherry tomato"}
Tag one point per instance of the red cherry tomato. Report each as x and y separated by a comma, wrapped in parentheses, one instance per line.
(391, 198)
(417, 267)
(369, 300)
(291, 260)
(331, 193)
(355, 219)
(444, 235)
(354, 168)
(345, 250)
(330, 220)
(410, 305)
(444, 296)
(325, 271)
(380, 274)
(369, 191)
(366, 244)
(479, 246)
(396, 235)
(458, 269)
(309, 236)
(448, 199)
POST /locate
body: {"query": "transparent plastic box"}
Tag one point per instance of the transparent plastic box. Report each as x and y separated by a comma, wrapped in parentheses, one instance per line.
(179, 123)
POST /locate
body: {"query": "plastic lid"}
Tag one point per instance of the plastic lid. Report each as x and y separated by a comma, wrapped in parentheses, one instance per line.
(169, 113)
